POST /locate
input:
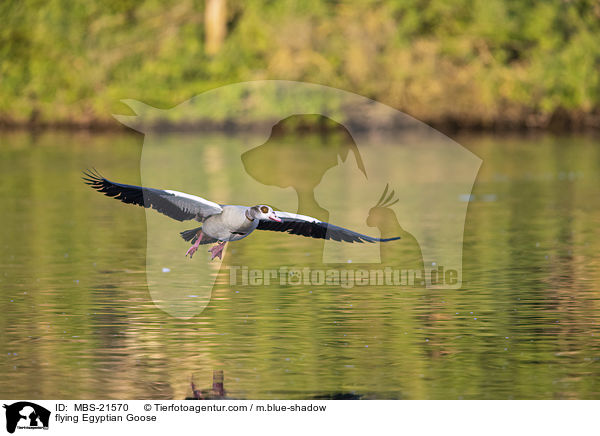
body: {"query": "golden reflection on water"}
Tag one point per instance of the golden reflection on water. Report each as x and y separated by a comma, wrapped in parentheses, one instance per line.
(78, 320)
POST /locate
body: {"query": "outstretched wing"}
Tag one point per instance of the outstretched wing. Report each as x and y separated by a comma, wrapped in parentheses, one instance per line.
(177, 205)
(313, 228)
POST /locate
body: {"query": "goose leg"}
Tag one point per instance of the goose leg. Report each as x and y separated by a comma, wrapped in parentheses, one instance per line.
(217, 250)
(194, 247)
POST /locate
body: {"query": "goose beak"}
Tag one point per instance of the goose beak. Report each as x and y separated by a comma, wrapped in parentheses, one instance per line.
(274, 217)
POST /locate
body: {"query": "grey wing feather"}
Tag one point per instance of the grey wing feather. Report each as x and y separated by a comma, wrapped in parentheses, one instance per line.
(177, 205)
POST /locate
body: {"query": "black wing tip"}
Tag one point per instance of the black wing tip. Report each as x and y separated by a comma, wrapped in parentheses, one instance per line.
(92, 177)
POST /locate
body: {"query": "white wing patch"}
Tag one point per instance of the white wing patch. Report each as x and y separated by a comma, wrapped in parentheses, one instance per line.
(204, 202)
(201, 207)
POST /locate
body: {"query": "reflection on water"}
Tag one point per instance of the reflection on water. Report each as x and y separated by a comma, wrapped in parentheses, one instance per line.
(216, 392)
(79, 321)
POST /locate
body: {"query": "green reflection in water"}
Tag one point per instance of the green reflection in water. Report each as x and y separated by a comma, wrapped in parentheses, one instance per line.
(78, 320)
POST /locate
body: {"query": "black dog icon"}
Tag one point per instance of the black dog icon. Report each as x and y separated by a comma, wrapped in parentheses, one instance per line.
(30, 413)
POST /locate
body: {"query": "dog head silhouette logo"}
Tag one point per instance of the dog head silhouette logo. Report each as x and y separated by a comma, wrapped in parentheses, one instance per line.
(26, 415)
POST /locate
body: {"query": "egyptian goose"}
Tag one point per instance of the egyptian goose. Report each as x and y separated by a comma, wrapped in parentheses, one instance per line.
(221, 223)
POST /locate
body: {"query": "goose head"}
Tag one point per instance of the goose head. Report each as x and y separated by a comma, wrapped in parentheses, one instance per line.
(262, 212)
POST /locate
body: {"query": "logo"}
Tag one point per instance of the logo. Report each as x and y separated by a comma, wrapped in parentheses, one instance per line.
(26, 415)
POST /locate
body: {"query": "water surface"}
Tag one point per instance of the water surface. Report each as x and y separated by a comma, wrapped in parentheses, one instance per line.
(78, 320)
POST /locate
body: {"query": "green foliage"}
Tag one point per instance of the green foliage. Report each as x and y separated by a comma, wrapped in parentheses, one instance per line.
(474, 61)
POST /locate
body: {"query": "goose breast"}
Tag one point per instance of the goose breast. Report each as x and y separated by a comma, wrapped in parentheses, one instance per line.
(230, 225)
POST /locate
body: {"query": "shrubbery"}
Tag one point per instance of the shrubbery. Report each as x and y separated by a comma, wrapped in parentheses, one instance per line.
(473, 62)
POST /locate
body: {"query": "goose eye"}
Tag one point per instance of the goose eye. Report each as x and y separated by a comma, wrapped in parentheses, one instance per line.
(264, 209)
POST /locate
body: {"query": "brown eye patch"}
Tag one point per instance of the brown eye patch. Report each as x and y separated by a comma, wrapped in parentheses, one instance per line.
(264, 209)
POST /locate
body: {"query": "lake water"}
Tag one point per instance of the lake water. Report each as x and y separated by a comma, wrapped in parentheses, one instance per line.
(79, 319)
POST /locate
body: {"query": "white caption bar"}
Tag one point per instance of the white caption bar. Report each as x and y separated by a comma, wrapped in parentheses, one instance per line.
(155, 417)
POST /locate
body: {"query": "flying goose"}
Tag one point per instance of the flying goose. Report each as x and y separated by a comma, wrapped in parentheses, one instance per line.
(221, 223)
